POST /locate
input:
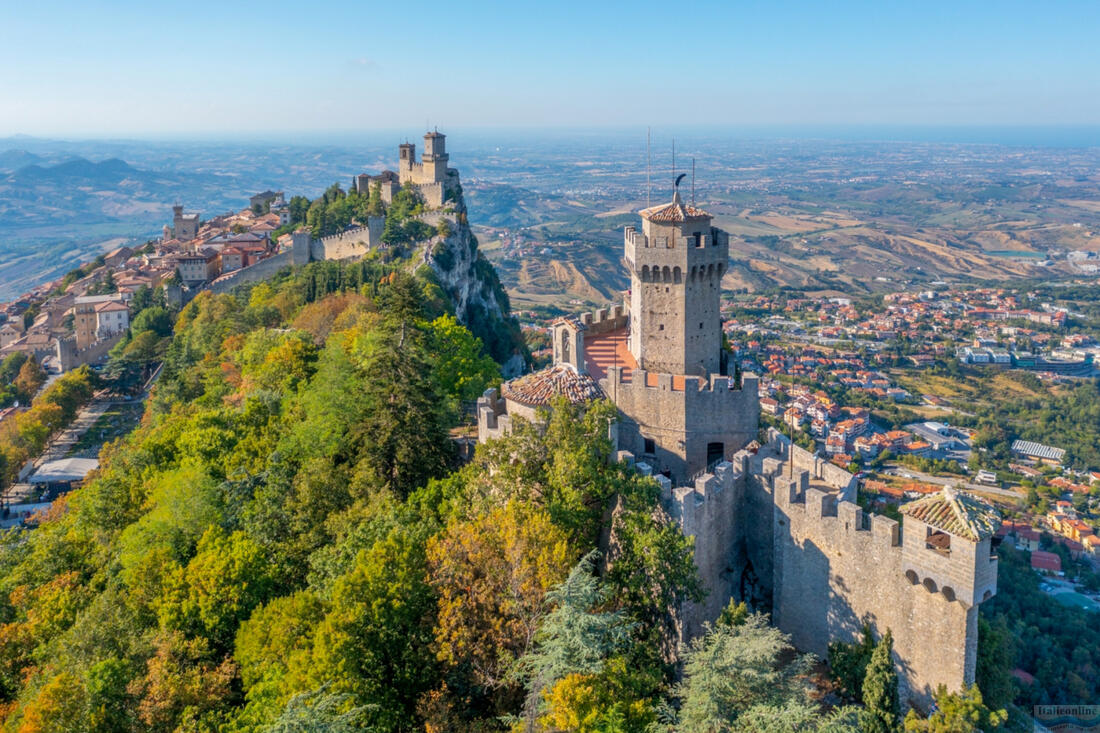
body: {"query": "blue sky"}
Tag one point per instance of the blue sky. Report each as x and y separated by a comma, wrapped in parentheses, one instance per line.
(152, 68)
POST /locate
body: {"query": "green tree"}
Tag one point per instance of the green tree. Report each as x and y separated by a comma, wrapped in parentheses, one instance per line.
(374, 201)
(461, 369)
(376, 641)
(320, 711)
(227, 578)
(574, 638)
(735, 672)
(848, 663)
(996, 659)
(956, 712)
(880, 690)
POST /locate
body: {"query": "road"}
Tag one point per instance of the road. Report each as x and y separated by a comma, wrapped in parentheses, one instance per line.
(906, 472)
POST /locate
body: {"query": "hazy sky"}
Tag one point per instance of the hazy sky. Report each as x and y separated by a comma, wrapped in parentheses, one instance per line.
(150, 67)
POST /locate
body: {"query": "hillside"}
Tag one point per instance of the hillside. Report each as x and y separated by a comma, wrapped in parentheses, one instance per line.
(287, 536)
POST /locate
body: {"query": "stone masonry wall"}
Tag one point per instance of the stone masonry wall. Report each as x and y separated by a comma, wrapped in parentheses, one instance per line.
(682, 421)
(835, 569)
(261, 270)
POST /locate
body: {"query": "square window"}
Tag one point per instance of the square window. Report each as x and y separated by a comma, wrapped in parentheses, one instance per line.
(650, 446)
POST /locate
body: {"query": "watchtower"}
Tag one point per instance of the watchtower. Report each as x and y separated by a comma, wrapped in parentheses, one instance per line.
(676, 265)
(435, 157)
(947, 546)
(406, 160)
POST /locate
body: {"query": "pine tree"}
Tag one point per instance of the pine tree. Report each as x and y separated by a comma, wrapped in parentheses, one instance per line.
(880, 690)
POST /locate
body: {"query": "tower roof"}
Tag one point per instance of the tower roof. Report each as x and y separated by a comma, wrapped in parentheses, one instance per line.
(674, 213)
(541, 387)
(956, 513)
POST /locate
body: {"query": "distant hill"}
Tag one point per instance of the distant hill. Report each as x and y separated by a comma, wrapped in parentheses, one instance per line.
(12, 160)
(76, 170)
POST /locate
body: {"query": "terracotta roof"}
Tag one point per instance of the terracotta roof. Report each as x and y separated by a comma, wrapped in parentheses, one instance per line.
(674, 212)
(957, 513)
(1041, 560)
(541, 387)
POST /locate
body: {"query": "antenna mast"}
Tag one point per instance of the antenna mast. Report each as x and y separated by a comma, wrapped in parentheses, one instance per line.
(648, 186)
(674, 159)
(693, 181)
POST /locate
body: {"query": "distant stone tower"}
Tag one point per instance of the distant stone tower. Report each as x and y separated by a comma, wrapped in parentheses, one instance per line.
(406, 161)
(676, 265)
(185, 227)
(435, 157)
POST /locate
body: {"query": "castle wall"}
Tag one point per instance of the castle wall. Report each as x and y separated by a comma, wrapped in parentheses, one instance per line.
(350, 244)
(261, 270)
(605, 320)
(69, 356)
(683, 420)
(834, 569)
(707, 513)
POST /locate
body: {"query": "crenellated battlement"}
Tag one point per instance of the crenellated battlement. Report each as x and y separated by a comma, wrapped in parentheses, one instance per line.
(605, 320)
(493, 420)
(624, 377)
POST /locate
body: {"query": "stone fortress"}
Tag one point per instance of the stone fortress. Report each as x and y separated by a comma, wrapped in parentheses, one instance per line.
(772, 524)
(433, 180)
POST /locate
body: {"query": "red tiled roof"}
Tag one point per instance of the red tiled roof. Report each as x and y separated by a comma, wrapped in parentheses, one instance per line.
(1042, 560)
(541, 387)
(674, 212)
(955, 512)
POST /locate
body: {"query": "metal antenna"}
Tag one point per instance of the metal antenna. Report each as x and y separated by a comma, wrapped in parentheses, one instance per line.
(674, 159)
(648, 185)
(693, 181)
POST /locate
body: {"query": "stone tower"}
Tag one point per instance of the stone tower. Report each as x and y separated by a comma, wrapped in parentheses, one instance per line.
(676, 265)
(407, 157)
(435, 157)
(680, 414)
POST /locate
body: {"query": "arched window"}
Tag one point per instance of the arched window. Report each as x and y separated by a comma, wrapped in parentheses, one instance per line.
(676, 275)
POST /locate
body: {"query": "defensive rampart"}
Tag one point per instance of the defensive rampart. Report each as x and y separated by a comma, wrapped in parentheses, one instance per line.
(261, 270)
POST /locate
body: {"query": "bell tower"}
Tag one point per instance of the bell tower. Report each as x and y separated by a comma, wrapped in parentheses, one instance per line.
(676, 265)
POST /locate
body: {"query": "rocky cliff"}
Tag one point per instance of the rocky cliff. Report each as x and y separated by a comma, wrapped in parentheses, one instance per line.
(471, 282)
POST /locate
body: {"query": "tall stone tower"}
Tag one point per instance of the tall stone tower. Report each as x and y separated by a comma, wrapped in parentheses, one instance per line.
(676, 265)
(435, 157)
(680, 414)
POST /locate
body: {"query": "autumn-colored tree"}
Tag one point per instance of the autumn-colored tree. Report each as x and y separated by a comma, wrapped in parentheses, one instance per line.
(59, 707)
(183, 682)
(29, 379)
(492, 574)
